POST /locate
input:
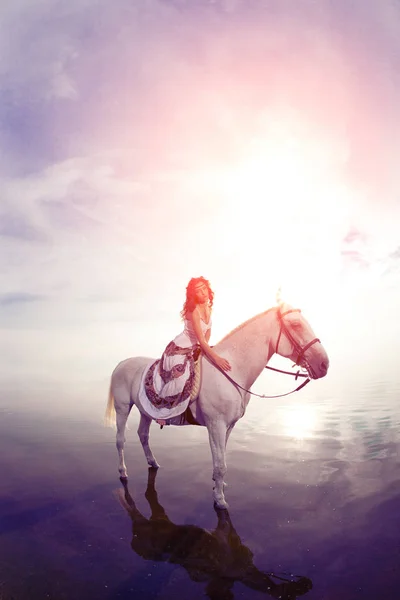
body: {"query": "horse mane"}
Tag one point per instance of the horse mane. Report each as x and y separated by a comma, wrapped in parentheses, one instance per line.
(242, 325)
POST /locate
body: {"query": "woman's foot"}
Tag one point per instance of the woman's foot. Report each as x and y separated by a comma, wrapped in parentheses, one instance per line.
(161, 422)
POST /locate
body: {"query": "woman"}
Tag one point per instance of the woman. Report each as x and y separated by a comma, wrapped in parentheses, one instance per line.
(174, 368)
(196, 314)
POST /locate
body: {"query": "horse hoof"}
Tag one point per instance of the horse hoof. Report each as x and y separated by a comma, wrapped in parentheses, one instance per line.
(154, 464)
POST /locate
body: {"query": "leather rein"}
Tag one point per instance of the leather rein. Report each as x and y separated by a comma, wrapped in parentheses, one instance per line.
(300, 354)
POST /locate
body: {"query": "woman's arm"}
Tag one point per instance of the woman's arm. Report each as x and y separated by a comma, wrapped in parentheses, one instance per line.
(203, 341)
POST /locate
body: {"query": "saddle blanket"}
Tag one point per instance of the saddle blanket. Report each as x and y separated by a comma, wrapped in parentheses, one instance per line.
(169, 384)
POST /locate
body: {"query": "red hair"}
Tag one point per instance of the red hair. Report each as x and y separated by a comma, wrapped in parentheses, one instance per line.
(190, 302)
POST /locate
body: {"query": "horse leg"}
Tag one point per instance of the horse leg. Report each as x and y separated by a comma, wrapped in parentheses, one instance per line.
(122, 418)
(228, 433)
(217, 436)
(143, 433)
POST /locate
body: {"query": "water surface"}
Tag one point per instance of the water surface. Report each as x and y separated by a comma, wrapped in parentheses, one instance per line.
(313, 488)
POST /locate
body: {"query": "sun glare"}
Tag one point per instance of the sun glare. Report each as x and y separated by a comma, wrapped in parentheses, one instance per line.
(299, 421)
(283, 210)
(271, 175)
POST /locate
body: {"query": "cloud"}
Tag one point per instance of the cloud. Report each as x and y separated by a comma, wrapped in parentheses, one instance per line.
(395, 255)
(64, 216)
(85, 232)
(12, 299)
(390, 266)
(17, 226)
(75, 194)
(354, 249)
(37, 45)
(354, 235)
(182, 81)
(372, 253)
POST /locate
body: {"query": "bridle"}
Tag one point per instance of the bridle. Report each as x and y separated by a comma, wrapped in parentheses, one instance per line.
(300, 354)
(290, 337)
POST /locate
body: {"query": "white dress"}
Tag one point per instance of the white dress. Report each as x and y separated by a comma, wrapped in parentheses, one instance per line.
(188, 337)
(166, 384)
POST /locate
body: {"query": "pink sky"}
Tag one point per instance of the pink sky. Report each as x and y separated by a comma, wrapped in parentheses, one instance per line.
(144, 143)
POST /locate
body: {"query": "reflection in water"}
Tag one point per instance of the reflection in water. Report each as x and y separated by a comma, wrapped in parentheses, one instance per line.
(217, 558)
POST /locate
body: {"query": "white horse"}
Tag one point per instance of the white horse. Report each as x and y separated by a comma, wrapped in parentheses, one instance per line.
(222, 399)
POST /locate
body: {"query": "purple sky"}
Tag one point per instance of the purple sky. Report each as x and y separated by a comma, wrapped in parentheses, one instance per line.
(142, 143)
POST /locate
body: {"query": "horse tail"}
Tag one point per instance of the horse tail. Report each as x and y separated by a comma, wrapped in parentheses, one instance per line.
(109, 417)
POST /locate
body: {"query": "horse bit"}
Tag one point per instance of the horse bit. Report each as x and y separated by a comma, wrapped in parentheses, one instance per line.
(300, 354)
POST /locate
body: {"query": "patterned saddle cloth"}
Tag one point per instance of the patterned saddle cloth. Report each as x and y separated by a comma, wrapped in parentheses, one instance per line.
(174, 379)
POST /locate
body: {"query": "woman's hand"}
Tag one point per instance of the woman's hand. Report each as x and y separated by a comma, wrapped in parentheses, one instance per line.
(222, 363)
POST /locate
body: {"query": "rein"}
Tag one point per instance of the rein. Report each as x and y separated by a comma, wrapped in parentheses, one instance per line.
(263, 395)
(297, 347)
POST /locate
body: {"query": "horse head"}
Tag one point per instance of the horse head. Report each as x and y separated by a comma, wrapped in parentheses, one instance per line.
(297, 341)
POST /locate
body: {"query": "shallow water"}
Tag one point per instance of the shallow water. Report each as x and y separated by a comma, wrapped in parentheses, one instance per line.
(313, 488)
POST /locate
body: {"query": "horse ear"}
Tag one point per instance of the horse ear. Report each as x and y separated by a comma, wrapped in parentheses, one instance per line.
(279, 296)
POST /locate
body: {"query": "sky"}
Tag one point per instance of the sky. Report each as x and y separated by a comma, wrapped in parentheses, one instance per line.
(254, 142)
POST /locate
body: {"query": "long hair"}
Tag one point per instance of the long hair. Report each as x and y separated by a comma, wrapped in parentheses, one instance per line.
(190, 302)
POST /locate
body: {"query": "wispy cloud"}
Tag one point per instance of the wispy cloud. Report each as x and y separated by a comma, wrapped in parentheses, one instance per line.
(16, 225)
(391, 264)
(12, 299)
(355, 248)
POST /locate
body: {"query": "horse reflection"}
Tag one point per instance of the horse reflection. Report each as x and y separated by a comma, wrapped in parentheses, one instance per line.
(217, 558)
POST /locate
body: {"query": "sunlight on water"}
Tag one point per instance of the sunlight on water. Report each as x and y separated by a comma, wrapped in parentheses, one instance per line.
(299, 422)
